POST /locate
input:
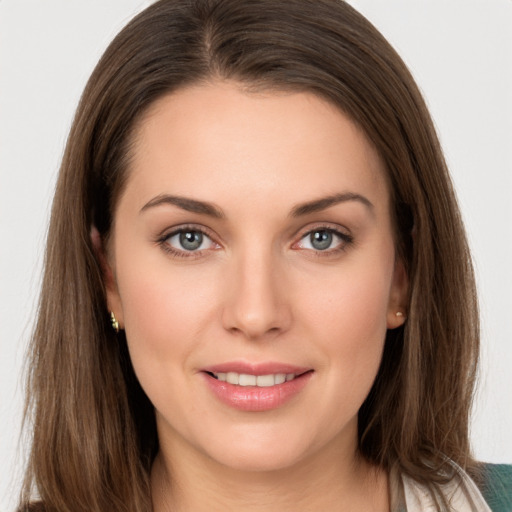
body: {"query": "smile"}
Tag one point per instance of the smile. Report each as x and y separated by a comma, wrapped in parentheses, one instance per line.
(261, 381)
(256, 389)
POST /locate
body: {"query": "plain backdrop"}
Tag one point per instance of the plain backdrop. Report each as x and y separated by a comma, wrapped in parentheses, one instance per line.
(460, 52)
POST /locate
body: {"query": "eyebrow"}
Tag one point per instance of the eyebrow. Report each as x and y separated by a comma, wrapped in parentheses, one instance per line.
(323, 203)
(185, 203)
(205, 208)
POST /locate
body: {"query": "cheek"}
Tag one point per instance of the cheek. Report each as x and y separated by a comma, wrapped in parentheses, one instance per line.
(353, 299)
(350, 330)
(347, 313)
(165, 311)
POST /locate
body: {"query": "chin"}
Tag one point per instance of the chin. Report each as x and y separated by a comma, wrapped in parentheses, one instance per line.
(265, 452)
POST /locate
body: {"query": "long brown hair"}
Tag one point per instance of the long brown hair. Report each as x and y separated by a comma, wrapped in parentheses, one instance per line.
(94, 435)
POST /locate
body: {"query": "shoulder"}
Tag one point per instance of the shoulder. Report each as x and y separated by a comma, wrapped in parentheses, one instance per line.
(496, 486)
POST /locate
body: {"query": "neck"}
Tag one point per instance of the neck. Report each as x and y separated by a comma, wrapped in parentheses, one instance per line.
(329, 481)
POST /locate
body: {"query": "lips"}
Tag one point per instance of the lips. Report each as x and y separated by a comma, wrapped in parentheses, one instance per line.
(256, 388)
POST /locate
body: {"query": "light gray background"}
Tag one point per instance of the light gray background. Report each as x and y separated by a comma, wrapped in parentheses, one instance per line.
(460, 52)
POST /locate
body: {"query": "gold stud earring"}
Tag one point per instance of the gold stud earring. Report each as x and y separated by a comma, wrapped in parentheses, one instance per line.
(114, 322)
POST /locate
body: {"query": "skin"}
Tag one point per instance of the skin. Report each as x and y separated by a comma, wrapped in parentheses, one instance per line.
(256, 290)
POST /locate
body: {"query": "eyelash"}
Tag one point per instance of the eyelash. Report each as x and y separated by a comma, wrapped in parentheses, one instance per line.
(163, 242)
(346, 241)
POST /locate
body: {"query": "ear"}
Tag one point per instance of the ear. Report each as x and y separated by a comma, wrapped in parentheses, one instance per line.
(397, 305)
(113, 298)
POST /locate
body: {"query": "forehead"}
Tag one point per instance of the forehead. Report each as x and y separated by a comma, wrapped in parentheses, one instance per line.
(219, 139)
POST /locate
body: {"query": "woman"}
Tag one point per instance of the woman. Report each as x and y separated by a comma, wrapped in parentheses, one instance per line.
(257, 292)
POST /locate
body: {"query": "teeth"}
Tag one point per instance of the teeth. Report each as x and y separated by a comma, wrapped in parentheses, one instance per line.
(232, 377)
(247, 380)
(280, 378)
(262, 381)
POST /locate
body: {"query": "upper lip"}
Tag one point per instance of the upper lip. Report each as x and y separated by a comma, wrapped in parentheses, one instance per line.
(264, 368)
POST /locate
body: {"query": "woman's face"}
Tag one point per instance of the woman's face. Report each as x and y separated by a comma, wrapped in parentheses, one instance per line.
(253, 244)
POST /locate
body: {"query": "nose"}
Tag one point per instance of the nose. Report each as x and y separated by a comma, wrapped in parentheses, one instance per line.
(257, 306)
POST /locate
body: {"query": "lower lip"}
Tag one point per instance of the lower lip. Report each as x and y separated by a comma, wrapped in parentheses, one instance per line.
(256, 399)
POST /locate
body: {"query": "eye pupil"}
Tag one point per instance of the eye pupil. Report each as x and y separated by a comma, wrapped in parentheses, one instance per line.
(321, 239)
(191, 240)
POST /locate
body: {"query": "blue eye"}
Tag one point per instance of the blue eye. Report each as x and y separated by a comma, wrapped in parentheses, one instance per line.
(324, 240)
(321, 240)
(189, 240)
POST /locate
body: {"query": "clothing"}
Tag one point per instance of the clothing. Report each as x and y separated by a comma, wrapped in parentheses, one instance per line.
(497, 487)
(494, 495)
